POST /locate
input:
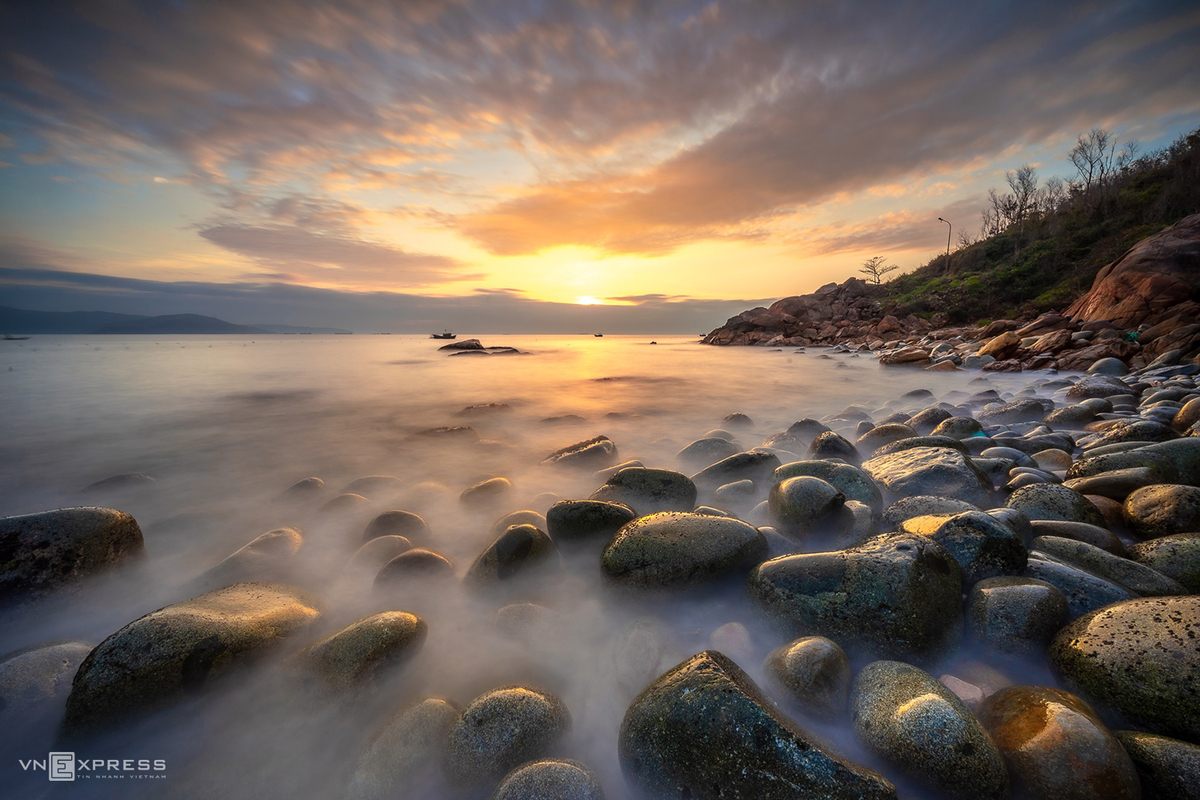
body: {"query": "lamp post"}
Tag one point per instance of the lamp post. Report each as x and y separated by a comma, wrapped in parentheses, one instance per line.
(948, 234)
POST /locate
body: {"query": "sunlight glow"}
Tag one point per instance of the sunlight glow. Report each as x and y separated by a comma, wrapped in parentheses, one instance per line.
(587, 300)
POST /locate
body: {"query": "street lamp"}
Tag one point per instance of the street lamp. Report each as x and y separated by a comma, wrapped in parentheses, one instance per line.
(948, 233)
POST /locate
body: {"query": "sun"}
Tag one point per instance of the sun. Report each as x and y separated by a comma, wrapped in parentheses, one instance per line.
(587, 300)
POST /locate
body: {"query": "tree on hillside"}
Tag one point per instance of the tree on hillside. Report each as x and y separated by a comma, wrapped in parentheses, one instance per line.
(1098, 163)
(875, 269)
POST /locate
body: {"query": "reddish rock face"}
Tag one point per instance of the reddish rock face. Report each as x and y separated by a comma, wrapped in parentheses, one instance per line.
(1158, 274)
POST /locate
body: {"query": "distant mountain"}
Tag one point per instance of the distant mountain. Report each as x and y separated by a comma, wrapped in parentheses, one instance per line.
(17, 320)
(177, 323)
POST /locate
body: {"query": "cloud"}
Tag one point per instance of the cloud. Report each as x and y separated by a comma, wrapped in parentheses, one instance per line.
(898, 231)
(317, 256)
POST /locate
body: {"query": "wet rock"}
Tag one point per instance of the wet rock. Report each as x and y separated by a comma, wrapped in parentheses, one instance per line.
(501, 729)
(1081, 532)
(736, 495)
(580, 520)
(43, 552)
(1098, 386)
(737, 744)
(486, 494)
(1084, 591)
(1055, 746)
(671, 549)
(417, 564)
(815, 672)
(1184, 454)
(176, 651)
(1187, 416)
(123, 482)
(1140, 658)
(589, 454)
(958, 428)
(1167, 769)
(1133, 576)
(519, 550)
(1054, 502)
(265, 558)
(912, 720)
(799, 505)
(1176, 556)
(348, 503)
(551, 779)
(360, 652)
(920, 506)
(1052, 460)
(1072, 417)
(306, 487)
(376, 552)
(737, 420)
(704, 452)
(1163, 510)
(400, 762)
(465, 344)
(929, 471)
(895, 594)
(877, 437)
(849, 480)
(983, 546)
(452, 433)
(833, 445)
(522, 517)
(36, 680)
(374, 485)
(647, 490)
(1014, 411)
(646, 649)
(1015, 615)
(752, 465)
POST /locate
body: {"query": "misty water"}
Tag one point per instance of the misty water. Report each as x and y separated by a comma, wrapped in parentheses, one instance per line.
(226, 424)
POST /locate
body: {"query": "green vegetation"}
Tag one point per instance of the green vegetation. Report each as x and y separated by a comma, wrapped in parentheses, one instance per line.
(1044, 246)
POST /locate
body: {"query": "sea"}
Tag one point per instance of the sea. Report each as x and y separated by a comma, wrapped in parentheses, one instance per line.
(223, 425)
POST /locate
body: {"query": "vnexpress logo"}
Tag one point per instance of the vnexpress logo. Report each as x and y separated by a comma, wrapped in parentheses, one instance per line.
(62, 767)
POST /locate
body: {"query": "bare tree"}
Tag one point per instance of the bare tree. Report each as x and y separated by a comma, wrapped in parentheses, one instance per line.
(1098, 163)
(1051, 196)
(875, 269)
(1013, 207)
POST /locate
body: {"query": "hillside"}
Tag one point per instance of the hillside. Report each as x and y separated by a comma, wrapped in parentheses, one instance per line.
(22, 321)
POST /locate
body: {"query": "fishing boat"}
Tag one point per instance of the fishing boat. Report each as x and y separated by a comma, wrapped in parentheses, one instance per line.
(443, 335)
(597, 335)
(8, 337)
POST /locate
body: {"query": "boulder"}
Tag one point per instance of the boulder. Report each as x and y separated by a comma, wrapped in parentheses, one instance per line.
(648, 491)
(43, 552)
(1167, 769)
(705, 731)
(929, 471)
(358, 653)
(1156, 275)
(673, 550)
(896, 594)
(519, 550)
(1055, 746)
(550, 779)
(1001, 347)
(499, 730)
(174, 652)
(1162, 510)
(579, 520)
(752, 465)
(398, 523)
(1140, 658)
(799, 505)
(909, 718)
(814, 672)
(1176, 556)
(705, 452)
(1014, 614)
(1054, 502)
(401, 760)
(265, 558)
(983, 546)
(590, 454)
(36, 680)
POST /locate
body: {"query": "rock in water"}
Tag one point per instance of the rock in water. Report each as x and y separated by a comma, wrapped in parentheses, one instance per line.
(1168, 769)
(1140, 658)
(552, 779)
(501, 729)
(577, 520)
(521, 548)
(896, 594)
(648, 490)
(910, 718)
(357, 653)
(265, 558)
(671, 550)
(940, 471)
(178, 650)
(1055, 746)
(400, 761)
(705, 731)
(815, 672)
(41, 552)
(590, 454)
(37, 679)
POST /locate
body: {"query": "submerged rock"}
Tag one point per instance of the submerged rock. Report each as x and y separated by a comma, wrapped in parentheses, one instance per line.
(42, 552)
(176, 651)
(414, 565)
(705, 731)
(671, 550)
(37, 679)
(752, 465)
(265, 558)
(799, 505)
(518, 550)
(398, 523)
(815, 672)
(911, 719)
(501, 729)
(1140, 658)
(589, 454)
(896, 594)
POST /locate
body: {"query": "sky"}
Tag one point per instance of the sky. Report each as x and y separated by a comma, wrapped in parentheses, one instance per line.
(539, 165)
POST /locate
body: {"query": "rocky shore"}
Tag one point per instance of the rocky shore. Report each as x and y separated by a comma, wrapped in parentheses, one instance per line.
(910, 564)
(1143, 309)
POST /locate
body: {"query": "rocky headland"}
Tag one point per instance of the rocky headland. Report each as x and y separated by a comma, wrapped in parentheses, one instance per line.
(1142, 309)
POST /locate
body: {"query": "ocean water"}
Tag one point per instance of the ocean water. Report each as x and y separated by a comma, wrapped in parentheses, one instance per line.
(225, 424)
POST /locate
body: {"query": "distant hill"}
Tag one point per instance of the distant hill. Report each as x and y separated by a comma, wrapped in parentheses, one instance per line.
(22, 321)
